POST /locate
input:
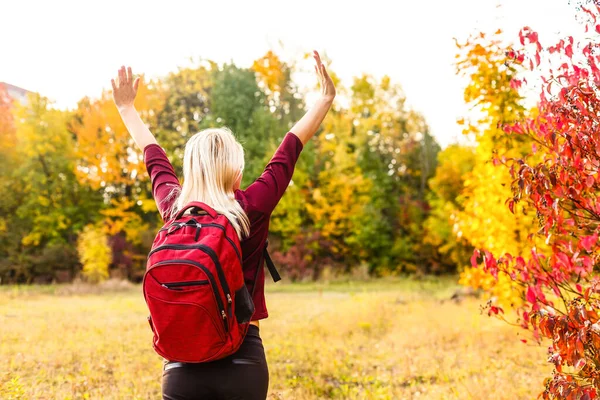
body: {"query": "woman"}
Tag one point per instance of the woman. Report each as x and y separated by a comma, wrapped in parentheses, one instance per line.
(212, 170)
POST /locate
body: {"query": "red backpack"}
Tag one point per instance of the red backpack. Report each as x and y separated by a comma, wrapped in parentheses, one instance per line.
(194, 287)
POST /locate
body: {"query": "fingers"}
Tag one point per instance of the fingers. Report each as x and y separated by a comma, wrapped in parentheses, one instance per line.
(319, 67)
(324, 71)
(317, 57)
(129, 75)
(136, 84)
(122, 77)
(318, 62)
(114, 85)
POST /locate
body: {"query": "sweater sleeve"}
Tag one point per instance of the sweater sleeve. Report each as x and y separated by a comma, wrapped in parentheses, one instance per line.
(165, 185)
(264, 193)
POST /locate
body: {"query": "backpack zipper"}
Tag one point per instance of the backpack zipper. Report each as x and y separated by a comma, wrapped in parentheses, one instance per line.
(210, 225)
(210, 278)
(171, 285)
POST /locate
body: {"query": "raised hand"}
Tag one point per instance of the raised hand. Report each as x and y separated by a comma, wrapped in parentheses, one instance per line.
(308, 125)
(327, 87)
(125, 89)
(124, 92)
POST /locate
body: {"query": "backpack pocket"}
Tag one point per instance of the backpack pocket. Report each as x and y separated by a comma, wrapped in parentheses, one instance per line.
(185, 332)
(244, 306)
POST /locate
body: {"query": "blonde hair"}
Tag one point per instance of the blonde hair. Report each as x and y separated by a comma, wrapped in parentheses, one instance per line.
(212, 162)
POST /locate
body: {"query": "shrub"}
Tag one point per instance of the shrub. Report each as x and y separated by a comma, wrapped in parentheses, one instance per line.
(94, 253)
(560, 180)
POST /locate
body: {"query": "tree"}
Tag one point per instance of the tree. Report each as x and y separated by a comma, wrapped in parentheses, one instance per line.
(275, 78)
(238, 103)
(94, 253)
(7, 125)
(559, 180)
(340, 192)
(454, 165)
(186, 107)
(396, 152)
(45, 205)
(10, 190)
(109, 162)
(483, 58)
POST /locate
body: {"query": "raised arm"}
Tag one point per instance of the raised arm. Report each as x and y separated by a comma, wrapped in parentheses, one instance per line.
(267, 190)
(308, 125)
(124, 92)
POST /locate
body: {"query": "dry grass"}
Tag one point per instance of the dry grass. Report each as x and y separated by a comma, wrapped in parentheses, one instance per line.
(378, 340)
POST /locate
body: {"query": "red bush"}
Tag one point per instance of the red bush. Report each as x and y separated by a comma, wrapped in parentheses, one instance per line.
(560, 181)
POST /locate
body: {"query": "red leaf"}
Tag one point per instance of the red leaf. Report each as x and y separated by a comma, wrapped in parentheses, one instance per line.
(586, 295)
(531, 295)
(580, 363)
(564, 259)
(524, 340)
(589, 181)
(569, 51)
(588, 241)
(522, 37)
(474, 258)
(520, 59)
(578, 287)
(495, 310)
(533, 37)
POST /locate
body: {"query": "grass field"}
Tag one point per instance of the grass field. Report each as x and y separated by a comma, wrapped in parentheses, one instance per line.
(393, 339)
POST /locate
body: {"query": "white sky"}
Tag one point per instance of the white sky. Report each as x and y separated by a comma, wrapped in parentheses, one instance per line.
(68, 49)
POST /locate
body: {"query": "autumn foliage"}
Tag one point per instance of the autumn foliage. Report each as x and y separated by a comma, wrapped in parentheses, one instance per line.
(559, 181)
(358, 197)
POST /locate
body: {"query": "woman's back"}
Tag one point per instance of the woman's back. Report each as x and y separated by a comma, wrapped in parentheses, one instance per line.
(213, 165)
(258, 202)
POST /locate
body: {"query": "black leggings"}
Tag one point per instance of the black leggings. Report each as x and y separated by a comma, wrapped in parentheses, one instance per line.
(240, 376)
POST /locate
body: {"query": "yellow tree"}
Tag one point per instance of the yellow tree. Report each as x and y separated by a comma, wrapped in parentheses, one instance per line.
(341, 191)
(42, 204)
(275, 78)
(45, 172)
(455, 163)
(485, 220)
(94, 253)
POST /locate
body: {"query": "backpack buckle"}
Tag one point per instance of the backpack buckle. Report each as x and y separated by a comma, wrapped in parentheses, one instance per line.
(174, 227)
(178, 225)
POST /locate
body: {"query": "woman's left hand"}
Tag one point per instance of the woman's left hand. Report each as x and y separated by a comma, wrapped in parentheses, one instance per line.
(125, 90)
(327, 87)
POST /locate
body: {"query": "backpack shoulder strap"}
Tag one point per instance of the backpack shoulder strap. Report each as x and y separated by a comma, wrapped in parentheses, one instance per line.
(272, 269)
(270, 265)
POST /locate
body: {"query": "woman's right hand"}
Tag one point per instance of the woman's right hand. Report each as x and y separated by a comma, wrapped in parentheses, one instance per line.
(125, 89)
(124, 92)
(327, 87)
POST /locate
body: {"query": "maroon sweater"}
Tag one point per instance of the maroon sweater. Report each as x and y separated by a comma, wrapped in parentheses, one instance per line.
(258, 201)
